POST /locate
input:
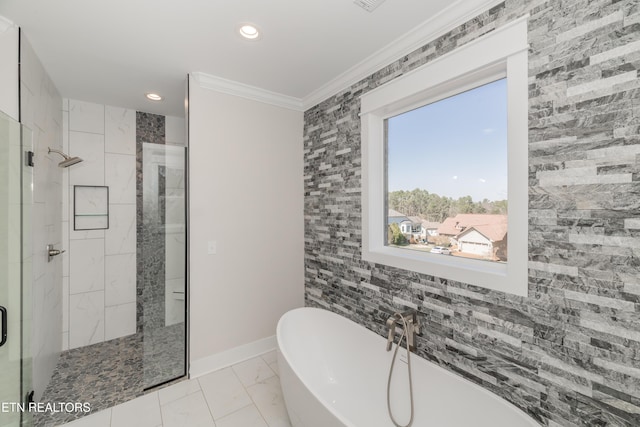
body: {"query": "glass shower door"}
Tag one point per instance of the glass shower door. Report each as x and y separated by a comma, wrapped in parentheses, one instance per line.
(163, 262)
(13, 204)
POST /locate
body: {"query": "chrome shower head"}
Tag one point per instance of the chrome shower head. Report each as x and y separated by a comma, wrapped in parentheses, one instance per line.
(68, 161)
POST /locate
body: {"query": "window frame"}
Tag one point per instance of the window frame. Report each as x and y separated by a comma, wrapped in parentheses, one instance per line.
(500, 53)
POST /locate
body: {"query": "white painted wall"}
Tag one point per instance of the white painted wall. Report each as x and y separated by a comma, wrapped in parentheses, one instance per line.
(41, 111)
(9, 68)
(246, 194)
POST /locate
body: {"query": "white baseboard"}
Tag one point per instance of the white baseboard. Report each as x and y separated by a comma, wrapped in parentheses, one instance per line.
(200, 367)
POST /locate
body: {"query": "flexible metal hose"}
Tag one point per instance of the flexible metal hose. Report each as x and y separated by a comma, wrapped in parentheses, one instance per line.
(393, 360)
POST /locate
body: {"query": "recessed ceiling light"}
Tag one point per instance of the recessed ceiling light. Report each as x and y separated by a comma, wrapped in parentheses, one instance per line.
(249, 31)
(153, 96)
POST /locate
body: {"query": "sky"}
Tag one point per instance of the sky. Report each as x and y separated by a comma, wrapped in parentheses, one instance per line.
(454, 147)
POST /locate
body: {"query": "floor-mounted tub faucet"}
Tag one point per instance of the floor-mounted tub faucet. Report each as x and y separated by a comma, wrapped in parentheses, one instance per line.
(409, 322)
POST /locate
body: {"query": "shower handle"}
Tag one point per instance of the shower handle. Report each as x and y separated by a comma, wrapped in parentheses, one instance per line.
(51, 252)
(3, 338)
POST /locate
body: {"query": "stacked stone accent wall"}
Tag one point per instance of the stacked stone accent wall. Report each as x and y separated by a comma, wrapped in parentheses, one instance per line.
(569, 353)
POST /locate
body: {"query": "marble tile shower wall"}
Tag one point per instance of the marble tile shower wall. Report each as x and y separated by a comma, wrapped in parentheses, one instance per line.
(100, 284)
(99, 273)
(569, 353)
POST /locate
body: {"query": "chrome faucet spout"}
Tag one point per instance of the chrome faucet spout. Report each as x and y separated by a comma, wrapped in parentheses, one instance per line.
(408, 319)
(391, 326)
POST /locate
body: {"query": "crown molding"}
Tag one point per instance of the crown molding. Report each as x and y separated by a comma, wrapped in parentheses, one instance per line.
(242, 90)
(5, 24)
(454, 15)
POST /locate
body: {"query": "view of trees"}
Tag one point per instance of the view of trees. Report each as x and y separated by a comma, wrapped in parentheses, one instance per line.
(396, 237)
(433, 207)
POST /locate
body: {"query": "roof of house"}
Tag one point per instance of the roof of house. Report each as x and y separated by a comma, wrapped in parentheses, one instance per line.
(493, 227)
(430, 224)
(493, 232)
(393, 214)
(395, 217)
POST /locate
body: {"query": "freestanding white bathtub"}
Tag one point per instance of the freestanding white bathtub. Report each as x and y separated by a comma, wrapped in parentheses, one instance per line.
(334, 372)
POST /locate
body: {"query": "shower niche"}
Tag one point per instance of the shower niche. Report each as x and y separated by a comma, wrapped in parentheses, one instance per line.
(90, 207)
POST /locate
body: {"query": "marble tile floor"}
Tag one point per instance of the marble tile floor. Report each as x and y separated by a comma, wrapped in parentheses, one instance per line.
(247, 394)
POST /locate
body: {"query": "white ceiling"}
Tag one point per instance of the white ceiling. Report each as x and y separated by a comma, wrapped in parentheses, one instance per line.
(112, 52)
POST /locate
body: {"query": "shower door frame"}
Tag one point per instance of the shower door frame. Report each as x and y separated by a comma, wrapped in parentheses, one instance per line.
(185, 284)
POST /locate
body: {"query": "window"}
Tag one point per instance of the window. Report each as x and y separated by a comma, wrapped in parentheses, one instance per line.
(416, 139)
(456, 176)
